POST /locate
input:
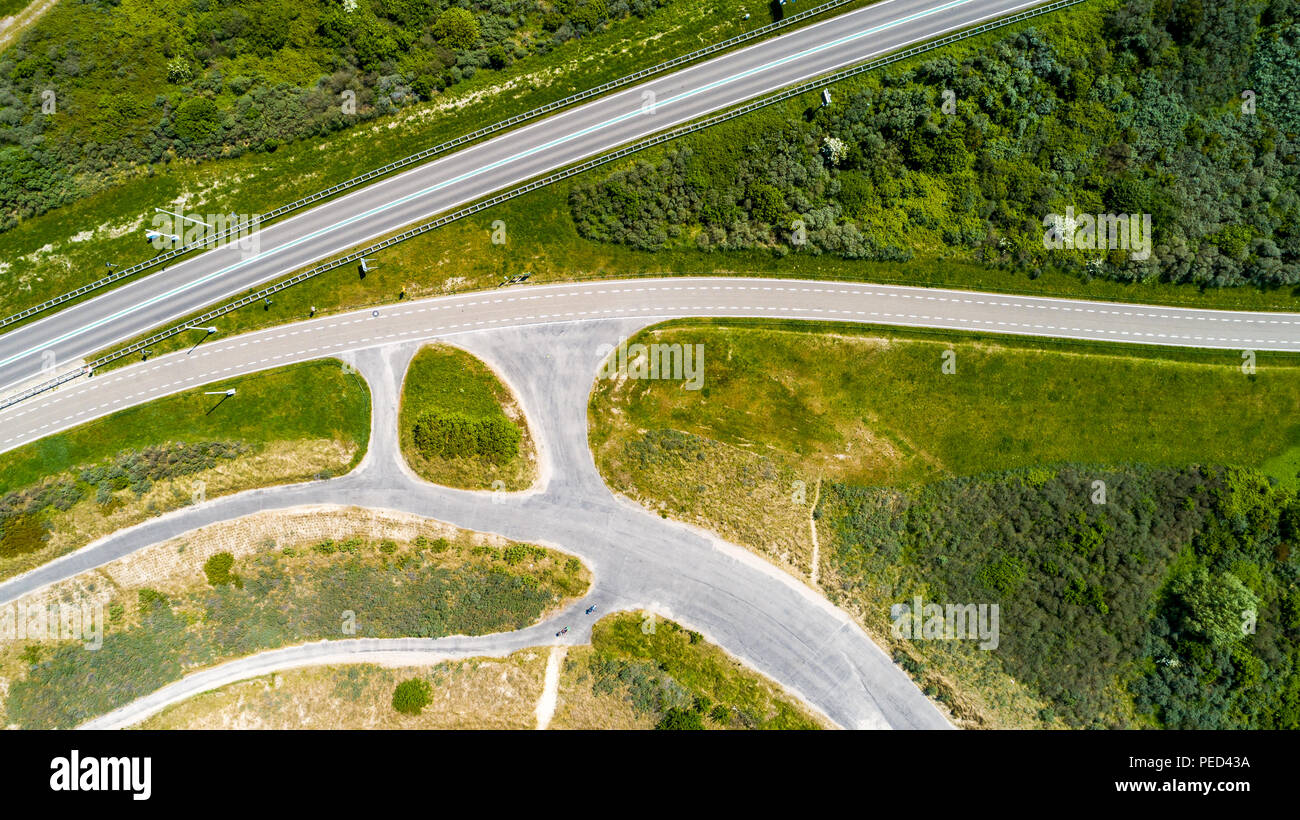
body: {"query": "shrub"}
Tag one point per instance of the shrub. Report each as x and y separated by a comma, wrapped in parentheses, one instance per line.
(456, 29)
(411, 696)
(680, 720)
(452, 434)
(197, 120)
(151, 599)
(217, 568)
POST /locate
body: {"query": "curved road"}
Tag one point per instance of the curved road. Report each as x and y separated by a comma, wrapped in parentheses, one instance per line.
(546, 342)
(481, 169)
(85, 399)
(638, 560)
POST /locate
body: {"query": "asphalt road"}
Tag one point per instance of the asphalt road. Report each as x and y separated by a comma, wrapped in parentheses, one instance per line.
(639, 561)
(479, 170)
(86, 399)
(545, 340)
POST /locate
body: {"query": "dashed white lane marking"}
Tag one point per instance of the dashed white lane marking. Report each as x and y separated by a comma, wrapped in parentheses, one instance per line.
(868, 291)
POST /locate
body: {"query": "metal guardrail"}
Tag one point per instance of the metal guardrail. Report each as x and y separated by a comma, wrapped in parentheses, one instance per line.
(428, 153)
(550, 179)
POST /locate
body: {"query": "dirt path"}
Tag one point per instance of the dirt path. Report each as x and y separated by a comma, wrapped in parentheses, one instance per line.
(551, 688)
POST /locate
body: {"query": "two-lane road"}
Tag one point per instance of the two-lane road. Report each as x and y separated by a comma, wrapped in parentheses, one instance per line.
(482, 169)
(86, 399)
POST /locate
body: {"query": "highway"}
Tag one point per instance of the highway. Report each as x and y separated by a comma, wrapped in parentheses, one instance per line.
(479, 170)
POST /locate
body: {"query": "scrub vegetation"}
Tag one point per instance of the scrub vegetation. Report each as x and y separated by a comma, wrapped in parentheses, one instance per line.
(980, 486)
(283, 594)
(294, 423)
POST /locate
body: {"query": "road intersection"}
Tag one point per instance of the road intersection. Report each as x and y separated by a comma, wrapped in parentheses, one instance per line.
(546, 342)
(638, 560)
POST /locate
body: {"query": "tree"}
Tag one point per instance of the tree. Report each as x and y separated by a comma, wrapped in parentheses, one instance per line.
(411, 696)
(1217, 606)
(456, 28)
(767, 204)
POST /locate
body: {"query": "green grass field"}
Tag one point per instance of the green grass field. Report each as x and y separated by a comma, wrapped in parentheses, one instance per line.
(316, 400)
(445, 378)
(868, 407)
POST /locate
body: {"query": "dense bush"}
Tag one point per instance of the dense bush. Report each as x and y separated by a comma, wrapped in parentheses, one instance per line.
(142, 83)
(217, 569)
(1150, 121)
(1138, 603)
(412, 695)
(452, 434)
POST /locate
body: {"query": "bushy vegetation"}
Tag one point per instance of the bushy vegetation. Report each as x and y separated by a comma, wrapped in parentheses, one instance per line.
(682, 682)
(412, 695)
(24, 513)
(449, 434)
(1136, 111)
(1174, 603)
(289, 597)
(140, 82)
(217, 569)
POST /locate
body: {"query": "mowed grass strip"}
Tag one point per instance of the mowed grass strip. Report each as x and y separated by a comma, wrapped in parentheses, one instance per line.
(870, 406)
(445, 379)
(309, 401)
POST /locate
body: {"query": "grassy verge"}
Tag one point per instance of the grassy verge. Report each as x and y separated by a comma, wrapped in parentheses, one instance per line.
(637, 676)
(66, 248)
(242, 587)
(289, 424)
(442, 381)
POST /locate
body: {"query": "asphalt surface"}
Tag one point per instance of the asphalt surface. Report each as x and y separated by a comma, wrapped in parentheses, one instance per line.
(639, 561)
(85, 399)
(480, 170)
(545, 340)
